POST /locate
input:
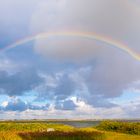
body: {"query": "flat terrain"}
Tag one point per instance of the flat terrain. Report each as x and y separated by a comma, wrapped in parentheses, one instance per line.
(37, 130)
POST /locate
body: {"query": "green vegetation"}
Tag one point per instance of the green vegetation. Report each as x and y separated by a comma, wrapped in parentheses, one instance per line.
(36, 130)
(122, 127)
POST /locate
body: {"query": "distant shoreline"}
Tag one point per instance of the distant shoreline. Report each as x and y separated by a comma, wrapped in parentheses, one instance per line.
(76, 120)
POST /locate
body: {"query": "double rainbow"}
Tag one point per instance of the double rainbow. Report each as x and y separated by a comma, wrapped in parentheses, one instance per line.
(92, 36)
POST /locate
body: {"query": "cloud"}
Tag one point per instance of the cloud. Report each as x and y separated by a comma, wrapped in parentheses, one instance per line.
(132, 108)
(65, 49)
(79, 113)
(13, 28)
(65, 88)
(71, 108)
(113, 75)
(65, 105)
(16, 104)
(114, 70)
(19, 83)
(7, 65)
(60, 87)
(90, 15)
(115, 19)
(57, 86)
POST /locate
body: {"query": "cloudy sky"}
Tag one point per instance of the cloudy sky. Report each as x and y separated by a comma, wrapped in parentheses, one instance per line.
(69, 76)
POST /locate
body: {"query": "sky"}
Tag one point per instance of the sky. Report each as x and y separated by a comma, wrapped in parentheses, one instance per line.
(76, 59)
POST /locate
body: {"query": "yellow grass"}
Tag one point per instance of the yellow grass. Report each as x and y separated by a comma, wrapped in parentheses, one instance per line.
(119, 136)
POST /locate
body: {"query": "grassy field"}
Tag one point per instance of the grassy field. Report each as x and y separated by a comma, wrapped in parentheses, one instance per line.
(38, 131)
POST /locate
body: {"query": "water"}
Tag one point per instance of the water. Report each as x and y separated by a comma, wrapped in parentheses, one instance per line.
(78, 124)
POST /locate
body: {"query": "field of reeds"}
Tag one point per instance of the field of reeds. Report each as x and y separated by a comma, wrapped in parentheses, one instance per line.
(39, 131)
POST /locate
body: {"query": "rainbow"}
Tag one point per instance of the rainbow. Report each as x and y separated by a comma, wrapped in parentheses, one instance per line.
(92, 36)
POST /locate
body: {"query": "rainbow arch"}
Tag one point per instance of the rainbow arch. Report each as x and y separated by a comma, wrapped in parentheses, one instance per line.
(93, 36)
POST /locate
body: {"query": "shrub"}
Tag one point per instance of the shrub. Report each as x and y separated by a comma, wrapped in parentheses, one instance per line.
(122, 127)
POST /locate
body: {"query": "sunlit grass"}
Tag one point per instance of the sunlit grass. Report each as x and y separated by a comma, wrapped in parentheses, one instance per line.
(120, 136)
(33, 127)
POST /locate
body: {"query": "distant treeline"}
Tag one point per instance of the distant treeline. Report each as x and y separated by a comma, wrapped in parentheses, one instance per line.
(119, 126)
